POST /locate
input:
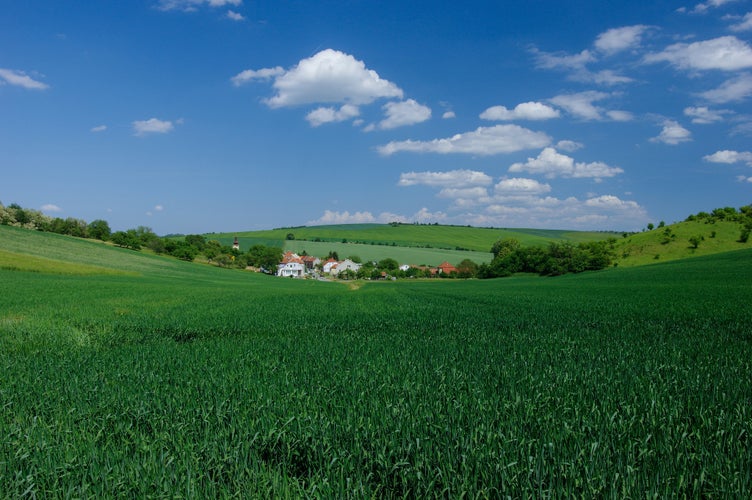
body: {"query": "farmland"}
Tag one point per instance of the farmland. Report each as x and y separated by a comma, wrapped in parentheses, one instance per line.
(175, 379)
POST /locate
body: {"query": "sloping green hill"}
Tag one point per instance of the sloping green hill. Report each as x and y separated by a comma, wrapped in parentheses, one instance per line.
(673, 242)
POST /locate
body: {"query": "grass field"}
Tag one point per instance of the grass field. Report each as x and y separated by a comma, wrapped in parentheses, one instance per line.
(187, 380)
(410, 235)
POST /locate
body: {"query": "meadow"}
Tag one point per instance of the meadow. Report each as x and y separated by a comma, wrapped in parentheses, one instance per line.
(179, 379)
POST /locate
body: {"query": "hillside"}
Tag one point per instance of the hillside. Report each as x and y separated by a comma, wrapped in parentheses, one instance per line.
(672, 242)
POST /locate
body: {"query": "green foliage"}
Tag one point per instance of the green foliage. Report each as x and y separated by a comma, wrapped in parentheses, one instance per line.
(99, 229)
(555, 260)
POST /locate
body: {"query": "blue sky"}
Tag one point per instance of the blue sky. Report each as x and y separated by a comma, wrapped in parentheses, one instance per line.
(193, 116)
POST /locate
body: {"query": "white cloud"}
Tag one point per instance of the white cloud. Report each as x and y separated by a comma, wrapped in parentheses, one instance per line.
(610, 202)
(322, 115)
(702, 8)
(620, 39)
(744, 178)
(159, 208)
(703, 115)
(448, 114)
(581, 104)
(519, 186)
(235, 16)
(726, 53)
(452, 178)
(548, 60)
(603, 77)
(569, 146)
(620, 116)
(672, 134)
(523, 111)
(473, 193)
(551, 164)
(51, 208)
(99, 128)
(152, 126)
(399, 114)
(735, 89)
(482, 141)
(250, 75)
(597, 212)
(21, 79)
(192, 5)
(744, 25)
(331, 217)
(330, 76)
(730, 157)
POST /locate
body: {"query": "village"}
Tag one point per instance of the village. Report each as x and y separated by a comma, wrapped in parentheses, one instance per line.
(307, 266)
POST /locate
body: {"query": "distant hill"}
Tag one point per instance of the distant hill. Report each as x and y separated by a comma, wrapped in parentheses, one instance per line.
(426, 236)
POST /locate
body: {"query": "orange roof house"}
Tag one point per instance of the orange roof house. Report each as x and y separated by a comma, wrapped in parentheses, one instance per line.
(446, 268)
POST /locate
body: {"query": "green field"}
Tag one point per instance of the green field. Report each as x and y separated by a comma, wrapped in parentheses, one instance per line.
(411, 235)
(186, 380)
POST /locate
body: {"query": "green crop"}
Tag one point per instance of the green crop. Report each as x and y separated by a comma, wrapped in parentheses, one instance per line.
(188, 381)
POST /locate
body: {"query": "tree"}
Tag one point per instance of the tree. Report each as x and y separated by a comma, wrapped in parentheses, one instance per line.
(388, 264)
(196, 240)
(100, 230)
(290, 236)
(650, 226)
(505, 247)
(467, 269)
(695, 241)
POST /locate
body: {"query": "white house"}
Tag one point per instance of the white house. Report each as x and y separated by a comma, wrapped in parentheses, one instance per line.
(345, 265)
(296, 269)
(291, 265)
(328, 265)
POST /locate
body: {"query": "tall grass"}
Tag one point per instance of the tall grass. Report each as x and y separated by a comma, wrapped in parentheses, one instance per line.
(622, 383)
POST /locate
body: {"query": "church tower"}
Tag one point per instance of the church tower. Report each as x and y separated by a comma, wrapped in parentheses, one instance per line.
(236, 245)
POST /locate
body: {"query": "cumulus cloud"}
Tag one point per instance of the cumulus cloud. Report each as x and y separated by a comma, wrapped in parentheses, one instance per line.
(250, 75)
(51, 208)
(99, 128)
(152, 126)
(597, 212)
(620, 39)
(448, 114)
(331, 217)
(560, 60)
(550, 163)
(474, 193)
(703, 7)
(323, 115)
(20, 79)
(672, 134)
(520, 186)
(483, 141)
(703, 115)
(330, 76)
(581, 104)
(744, 25)
(399, 114)
(730, 157)
(192, 5)
(452, 178)
(735, 89)
(610, 202)
(569, 146)
(726, 53)
(235, 16)
(523, 111)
